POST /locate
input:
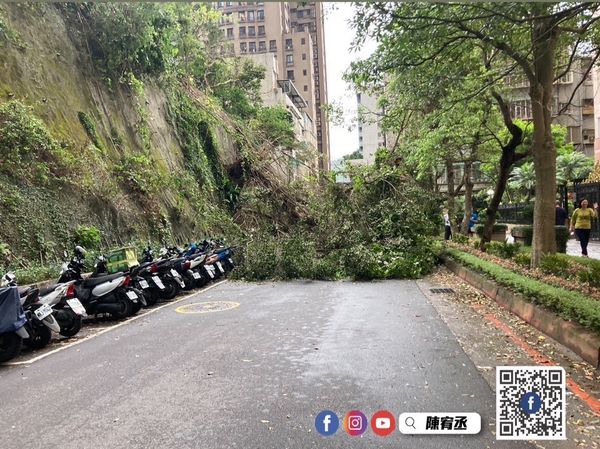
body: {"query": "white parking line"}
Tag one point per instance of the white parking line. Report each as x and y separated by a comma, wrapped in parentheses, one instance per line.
(103, 331)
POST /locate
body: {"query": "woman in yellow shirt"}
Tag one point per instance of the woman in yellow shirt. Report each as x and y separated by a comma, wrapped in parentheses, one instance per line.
(582, 224)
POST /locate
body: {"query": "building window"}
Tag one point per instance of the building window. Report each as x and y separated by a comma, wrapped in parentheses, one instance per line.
(289, 59)
(272, 45)
(303, 41)
(290, 74)
(288, 44)
(250, 16)
(300, 14)
(567, 78)
(260, 15)
(588, 136)
(251, 31)
(304, 56)
(243, 47)
(304, 72)
(522, 109)
(261, 30)
(229, 3)
(229, 33)
(300, 27)
(262, 46)
(252, 47)
(220, 4)
(305, 88)
(308, 13)
(242, 16)
(242, 31)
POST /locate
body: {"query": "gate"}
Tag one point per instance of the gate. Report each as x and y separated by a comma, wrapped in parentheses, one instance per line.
(591, 192)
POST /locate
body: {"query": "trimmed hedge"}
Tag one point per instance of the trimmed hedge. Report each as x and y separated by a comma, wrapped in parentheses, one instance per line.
(498, 227)
(568, 304)
(526, 233)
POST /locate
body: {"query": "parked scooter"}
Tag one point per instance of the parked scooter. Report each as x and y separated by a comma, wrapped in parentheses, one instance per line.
(68, 310)
(12, 324)
(40, 321)
(112, 294)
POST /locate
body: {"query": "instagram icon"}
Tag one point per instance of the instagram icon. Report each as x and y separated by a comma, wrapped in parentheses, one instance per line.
(355, 423)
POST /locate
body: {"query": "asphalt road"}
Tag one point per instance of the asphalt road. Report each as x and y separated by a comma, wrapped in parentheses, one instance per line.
(253, 376)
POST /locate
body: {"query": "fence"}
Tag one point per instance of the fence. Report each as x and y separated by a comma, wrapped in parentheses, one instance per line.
(591, 192)
(516, 213)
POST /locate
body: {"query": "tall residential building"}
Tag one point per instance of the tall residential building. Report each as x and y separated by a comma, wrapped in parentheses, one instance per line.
(577, 115)
(293, 34)
(370, 135)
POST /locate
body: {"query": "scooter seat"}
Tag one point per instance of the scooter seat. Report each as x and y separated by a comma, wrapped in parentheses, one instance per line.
(92, 282)
(44, 291)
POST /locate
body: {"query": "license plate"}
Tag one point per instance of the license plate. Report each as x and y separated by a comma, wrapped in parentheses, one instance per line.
(174, 272)
(196, 275)
(144, 284)
(209, 270)
(76, 306)
(132, 295)
(158, 282)
(220, 267)
(43, 311)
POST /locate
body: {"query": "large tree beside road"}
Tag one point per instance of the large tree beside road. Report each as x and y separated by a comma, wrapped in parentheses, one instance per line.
(539, 41)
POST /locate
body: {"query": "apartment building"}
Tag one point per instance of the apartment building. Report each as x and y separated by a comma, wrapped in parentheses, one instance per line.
(577, 115)
(371, 137)
(293, 34)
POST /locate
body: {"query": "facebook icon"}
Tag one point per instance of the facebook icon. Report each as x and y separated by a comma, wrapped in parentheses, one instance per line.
(327, 423)
(530, 403)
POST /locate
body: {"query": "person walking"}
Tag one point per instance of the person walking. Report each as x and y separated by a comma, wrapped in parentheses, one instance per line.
(447, 226)
(473, 221)
(561, 215)
(581, 223)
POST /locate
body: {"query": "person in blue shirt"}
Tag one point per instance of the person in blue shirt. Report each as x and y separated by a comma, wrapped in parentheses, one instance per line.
(473, 221)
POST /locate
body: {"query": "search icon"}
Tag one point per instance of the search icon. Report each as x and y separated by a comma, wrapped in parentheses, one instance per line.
(410, 422)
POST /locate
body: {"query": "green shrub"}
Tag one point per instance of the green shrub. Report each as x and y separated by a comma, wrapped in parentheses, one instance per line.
(498, 227)
(36, 274)
(87, 236)
(460, 238)
(503, 249)
(562, 237)
(551, 264)
(90, 128)
(526, 233)
(523, 258)
(568, 304)
(590, 274)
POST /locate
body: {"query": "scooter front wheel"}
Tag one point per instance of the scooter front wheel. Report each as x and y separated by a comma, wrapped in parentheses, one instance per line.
(10, 346)
(70, 323)
(39, 337)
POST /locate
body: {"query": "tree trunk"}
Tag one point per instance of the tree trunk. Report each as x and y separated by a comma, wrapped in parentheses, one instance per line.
(468, 181)
(506, 161)
(544, 152)
(450, 183)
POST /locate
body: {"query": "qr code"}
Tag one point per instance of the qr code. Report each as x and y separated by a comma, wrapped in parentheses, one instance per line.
(530, 403)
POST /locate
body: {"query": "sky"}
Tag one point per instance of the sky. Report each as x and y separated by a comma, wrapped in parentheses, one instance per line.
(338, 38)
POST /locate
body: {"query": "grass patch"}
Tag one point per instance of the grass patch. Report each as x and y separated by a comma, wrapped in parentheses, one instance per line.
(568, 304)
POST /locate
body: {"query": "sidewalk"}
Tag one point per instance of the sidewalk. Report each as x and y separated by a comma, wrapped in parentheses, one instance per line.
(574, 249)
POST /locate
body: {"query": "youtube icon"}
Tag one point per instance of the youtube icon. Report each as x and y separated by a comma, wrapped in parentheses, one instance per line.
(383, 423)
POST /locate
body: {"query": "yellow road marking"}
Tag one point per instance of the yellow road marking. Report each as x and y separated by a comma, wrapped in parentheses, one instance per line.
(207, 307)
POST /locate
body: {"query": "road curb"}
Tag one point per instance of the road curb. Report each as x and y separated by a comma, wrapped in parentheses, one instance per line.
(584, 343)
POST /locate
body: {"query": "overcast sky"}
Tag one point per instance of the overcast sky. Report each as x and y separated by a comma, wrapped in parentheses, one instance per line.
(338, 37)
